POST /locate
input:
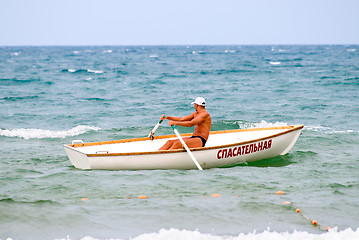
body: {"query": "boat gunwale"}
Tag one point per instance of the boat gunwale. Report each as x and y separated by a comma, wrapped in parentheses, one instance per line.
(290, 128)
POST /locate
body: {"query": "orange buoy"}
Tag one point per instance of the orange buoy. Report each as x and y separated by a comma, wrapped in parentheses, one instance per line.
(297, 210)
(142, 197)
(328, 228)
(286, 203)
(314, 222)
(84, 199)
(279, 192)
(216, 195)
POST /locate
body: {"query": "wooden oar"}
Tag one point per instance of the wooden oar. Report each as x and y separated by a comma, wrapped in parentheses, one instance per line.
(187, 149)
(154, 129)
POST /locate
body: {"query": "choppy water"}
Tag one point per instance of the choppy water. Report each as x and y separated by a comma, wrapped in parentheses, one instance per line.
(52, 95)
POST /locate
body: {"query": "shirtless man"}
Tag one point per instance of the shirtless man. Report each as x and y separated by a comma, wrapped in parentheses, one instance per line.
(200, 118)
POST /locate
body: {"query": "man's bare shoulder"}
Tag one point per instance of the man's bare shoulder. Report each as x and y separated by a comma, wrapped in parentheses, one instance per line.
(201, 114)
(205, 114)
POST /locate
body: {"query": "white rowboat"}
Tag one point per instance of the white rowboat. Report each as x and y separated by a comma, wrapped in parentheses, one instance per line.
(223, 148)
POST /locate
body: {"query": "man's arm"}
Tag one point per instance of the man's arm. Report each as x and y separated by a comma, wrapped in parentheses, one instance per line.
(179, 119)
(189, 123)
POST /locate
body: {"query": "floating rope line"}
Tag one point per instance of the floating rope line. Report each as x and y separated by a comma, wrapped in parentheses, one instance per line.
(216, 195)
(312, 221)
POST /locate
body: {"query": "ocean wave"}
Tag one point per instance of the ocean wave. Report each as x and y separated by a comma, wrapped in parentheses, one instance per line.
(229, 51)
(94, 71)
(265, 124)
(33, 133)
(70, 70)
(15, 81)
(198, 52)
(168, 234)
(275, 63)
(10, 200)
(279, 50)
(328, 130)
(240, 124)
(19, 98)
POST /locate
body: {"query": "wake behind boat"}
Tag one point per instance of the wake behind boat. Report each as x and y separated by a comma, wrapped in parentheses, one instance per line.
(223, 148)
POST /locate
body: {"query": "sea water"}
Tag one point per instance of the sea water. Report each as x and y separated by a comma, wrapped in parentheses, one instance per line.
(50, 96)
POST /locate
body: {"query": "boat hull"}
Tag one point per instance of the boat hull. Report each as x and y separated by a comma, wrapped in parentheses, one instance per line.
(93, 156)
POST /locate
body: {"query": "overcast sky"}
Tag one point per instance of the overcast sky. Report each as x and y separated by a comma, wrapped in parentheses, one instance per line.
(182, 22)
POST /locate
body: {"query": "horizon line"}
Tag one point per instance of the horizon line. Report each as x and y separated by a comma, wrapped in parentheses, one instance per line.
(136, 45)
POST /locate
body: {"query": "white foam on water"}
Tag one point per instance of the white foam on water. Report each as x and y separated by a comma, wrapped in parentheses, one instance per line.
(71, 70)
(197, 52)
(274, 63)
(316, 128)
(176, 234)
(328, 130)
(33, 133)
(261, 124)
(94, 71)
(170, 234)
(264, 124)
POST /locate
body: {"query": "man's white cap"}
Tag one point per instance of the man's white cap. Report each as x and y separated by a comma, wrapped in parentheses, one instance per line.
(200, 101)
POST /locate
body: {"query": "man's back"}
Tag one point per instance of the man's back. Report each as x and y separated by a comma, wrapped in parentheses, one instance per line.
(204, 127)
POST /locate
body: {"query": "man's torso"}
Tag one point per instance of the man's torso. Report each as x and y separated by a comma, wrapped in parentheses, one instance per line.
(204, 127)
